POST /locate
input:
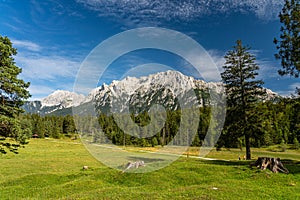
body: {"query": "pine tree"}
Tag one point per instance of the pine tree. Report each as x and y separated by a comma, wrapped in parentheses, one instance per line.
(13, 92)
(289, 43)
(243, 90)
(68, 125)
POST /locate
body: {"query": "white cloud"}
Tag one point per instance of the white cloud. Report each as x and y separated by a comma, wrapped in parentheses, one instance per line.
(39, 91)
(46, 73)
(51, 16)
(294, 85)
(146, 70)
(209, 63)
(136, 12)
(291, 90)
(26, 45)
(41, 67)
(286, 93)
(267, 69)
(218, 58)
(267, 72)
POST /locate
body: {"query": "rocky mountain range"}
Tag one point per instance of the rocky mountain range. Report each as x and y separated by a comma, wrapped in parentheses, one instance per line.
(170, 89)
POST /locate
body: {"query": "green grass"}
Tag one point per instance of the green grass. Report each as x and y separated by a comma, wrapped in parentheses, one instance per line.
(52, 169)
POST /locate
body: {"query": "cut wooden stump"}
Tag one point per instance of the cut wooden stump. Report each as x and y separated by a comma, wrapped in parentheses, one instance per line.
(136, 164)
(274, 164)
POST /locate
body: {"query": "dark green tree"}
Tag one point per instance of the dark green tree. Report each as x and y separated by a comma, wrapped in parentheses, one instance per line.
(69, 125)
(243, 90)
(13, 92)
(289, 43)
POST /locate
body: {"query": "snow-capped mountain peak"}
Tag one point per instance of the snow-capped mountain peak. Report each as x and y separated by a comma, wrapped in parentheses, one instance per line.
(63, 98)
(161, 88)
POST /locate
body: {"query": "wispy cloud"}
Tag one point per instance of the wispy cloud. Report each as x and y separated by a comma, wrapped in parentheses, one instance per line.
(28, 45)
(48, 67)
(268, 69)
(52, 15)
(136, 12)
(207, 65)
(290, 91)
(218, 58)
(45, 71)
(294, 85)
(40, 91)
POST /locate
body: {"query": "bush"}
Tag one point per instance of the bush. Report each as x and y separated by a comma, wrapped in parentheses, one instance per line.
(154, 142)
(295, 144)
(282, 146)
(144, 143)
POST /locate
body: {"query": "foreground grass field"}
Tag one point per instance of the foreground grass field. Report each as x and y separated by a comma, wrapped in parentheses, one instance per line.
(52, 169)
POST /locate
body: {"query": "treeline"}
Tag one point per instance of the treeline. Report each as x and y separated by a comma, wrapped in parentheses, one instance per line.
(271, 123)
(105, 129)
(48, 126)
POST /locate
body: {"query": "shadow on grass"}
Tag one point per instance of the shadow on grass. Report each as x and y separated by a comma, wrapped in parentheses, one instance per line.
(228, 163)
(61, 186)
(40, 180)
(140, 158)
(146, 160)
(292, 165)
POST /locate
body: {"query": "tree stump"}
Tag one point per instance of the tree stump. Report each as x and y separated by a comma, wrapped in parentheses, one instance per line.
(136, 164)
(274, 164)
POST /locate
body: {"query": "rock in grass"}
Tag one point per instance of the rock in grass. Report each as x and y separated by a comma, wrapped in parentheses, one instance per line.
(85, 167)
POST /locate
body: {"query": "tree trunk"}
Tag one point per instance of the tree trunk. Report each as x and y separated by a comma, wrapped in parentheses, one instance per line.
(248, 152)
(124, 140)
(163, 136)
(274, 164)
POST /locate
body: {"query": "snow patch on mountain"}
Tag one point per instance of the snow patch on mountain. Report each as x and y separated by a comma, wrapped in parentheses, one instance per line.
(163, 88)
(62, 98)
(169, 88)
(174, 80)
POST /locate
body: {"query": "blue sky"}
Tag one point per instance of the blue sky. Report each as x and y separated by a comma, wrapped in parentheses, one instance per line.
(54, 37)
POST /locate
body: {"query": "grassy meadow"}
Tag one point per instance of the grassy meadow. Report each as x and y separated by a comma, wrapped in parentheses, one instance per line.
(52, 169)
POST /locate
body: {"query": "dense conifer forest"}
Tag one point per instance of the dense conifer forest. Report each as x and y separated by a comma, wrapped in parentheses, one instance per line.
(272, 123)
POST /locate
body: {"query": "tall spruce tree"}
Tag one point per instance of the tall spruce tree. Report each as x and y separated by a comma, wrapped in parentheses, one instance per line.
(289, 43)
(13, 92)
(243, 90)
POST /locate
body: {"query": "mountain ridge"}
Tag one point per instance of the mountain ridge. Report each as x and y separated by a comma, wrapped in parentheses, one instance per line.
(169, 84)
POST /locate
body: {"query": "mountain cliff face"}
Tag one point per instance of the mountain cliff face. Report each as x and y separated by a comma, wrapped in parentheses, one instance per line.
(170, 89)
(58, 100)
(62, 98)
